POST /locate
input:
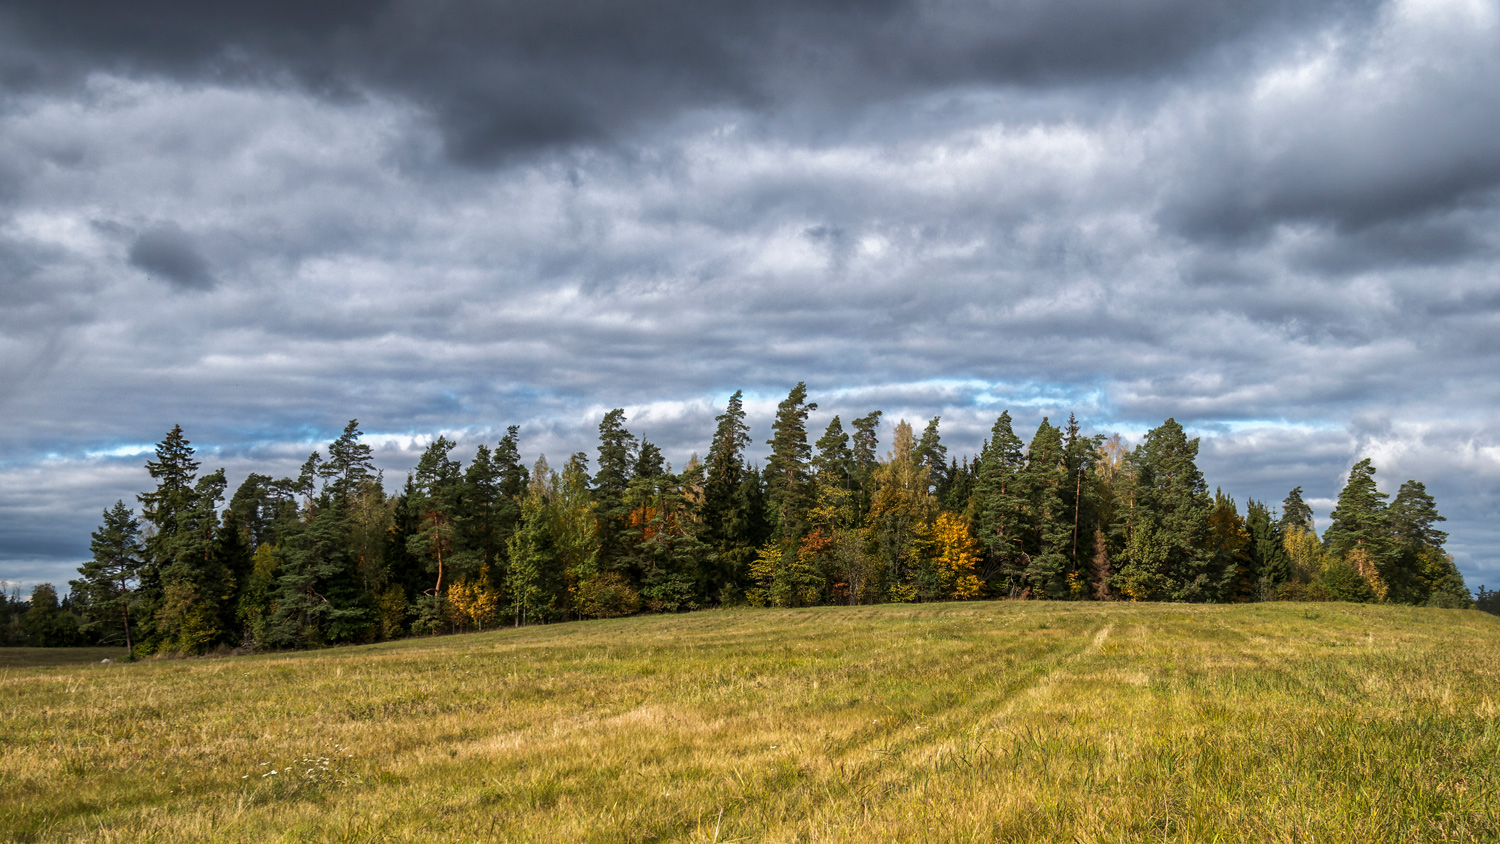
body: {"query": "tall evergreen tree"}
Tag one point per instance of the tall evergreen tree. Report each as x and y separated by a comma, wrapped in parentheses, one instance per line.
(435, 501)
(163, 509)
(834, 462)
(722, 510)
(349, 466)
(1419, 563)
(864, 446)
(1359, 520)
(106, 581)
(1047, 530)
(1295, 512)
(1170, 518)
(788, 477)
(617, 448)
(934, 455)
(1000, 507)
(1267, 548)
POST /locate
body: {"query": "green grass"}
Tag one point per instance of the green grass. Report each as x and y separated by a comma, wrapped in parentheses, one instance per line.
(952, 722)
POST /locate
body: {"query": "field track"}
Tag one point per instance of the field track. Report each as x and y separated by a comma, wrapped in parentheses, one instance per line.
(947, 722)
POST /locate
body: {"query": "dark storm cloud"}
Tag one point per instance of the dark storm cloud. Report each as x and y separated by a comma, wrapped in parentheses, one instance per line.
(1274, 221)
(508, 77)
(167, 252)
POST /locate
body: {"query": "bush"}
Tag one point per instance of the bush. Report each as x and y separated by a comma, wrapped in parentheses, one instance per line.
(606, 595)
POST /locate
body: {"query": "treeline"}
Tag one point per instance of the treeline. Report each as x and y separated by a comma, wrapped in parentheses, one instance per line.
(330, 557)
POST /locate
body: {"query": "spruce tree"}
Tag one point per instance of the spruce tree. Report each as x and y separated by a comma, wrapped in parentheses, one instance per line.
(834, 461)
(1047, 529)
(1171, 510)
(999, 508)
(725, 522)
(1267, 548)
(616, 455)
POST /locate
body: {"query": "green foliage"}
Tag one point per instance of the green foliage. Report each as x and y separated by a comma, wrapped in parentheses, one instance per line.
(999, 506)
(1360, 518)
(105, 587)
(788, 477)
(331, 557)
(1171, 497)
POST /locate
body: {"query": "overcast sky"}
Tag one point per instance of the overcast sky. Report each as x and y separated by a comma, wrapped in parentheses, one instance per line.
(1277, 221)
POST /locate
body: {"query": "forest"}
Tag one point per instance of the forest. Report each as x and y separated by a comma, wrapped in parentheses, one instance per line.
(331, 557)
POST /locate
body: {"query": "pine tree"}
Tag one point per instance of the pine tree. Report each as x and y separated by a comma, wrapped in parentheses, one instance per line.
(350, 465)
(1359, 520)
(435, 501)
(934, 455)
(787, 477)
(1419, 563)
(106, 580)
(1295, 512)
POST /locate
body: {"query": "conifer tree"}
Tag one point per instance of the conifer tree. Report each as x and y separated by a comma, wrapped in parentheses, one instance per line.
(834, 462)
(617, 448)
(1267, 549)
(349, 466)
(864, 446)
(1047, 532)
(435, 500)
(934, 455)
(106, 581)
(1295, 512)
(999, 508)
(1419, 564)
(722, 511)
(1359, 520)
(787, 477)
(1170, 510)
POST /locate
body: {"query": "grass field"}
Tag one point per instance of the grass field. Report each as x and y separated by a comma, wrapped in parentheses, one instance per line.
(952, 722)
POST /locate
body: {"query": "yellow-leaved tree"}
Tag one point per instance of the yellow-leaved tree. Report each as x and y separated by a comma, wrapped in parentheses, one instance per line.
(957, 555)
(474, 601)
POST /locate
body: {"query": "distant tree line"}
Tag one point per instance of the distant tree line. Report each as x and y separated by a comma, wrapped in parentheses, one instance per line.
(331, 557)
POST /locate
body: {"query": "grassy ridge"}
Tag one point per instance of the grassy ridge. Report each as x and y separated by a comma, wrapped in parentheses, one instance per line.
(952, 722)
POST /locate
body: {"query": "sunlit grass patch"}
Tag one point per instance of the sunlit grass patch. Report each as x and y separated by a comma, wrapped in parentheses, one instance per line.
(951, 722)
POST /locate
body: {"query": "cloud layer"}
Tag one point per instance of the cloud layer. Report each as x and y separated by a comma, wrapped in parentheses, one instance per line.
(1273, 221)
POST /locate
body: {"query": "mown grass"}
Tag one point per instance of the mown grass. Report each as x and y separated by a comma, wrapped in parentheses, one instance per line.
(955, 722)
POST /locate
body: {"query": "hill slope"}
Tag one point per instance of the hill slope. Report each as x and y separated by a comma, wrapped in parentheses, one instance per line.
(950, 722)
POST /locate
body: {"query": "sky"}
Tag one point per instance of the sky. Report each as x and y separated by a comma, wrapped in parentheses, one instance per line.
(1277, 222)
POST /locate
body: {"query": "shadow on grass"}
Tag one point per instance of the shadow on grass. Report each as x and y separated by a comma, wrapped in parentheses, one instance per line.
(50, 657)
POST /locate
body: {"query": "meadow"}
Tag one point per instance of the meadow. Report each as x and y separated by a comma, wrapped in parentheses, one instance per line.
(1007, 721)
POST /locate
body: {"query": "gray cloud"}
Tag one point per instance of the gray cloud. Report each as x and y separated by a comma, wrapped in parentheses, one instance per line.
(167, 252)
(518, 77)
(1272, 221)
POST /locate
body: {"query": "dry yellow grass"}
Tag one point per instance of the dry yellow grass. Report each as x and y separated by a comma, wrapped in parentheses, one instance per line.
(954, 722)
